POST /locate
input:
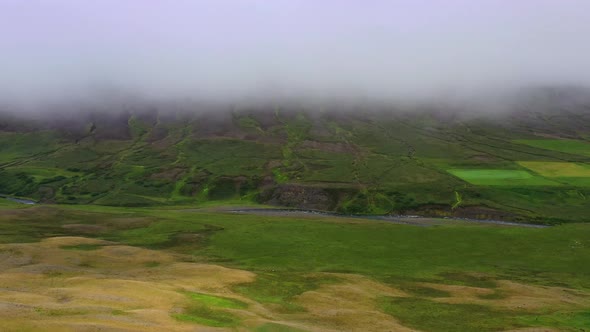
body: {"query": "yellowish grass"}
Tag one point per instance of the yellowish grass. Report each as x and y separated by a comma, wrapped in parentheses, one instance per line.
(45, 287)
(350, 306)
(557, 169)
(51, 286)
(517, 296)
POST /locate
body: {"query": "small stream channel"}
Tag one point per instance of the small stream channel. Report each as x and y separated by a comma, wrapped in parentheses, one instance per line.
(18, 200)
(406, 220)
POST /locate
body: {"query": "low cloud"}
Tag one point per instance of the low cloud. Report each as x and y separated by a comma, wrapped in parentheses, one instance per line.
(229, 50)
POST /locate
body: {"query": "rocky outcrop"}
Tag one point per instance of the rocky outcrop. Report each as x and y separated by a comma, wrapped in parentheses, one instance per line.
(299, 196)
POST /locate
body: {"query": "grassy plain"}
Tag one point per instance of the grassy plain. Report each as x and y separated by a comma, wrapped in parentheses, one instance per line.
(150, 269)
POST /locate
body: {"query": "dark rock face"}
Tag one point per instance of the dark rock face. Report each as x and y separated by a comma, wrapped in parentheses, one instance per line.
(298, 196)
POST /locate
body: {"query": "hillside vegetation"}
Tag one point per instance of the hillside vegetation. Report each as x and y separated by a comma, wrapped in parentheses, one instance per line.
(529, 165)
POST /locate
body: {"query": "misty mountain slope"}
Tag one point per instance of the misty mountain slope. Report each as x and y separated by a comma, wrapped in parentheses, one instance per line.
(430, 163)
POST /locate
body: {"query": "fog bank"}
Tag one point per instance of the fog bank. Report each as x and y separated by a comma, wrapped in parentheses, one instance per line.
(57, 51)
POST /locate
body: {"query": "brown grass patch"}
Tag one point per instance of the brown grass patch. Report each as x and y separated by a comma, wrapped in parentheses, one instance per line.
(516, 296)
(350, 306)
(108, 289)
(84, 228)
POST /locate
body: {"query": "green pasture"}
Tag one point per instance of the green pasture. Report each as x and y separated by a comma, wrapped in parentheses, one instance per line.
(5, 203)
(554, 255)
(501, 177)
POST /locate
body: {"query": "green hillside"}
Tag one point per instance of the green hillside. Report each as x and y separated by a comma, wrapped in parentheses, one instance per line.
(351, 162)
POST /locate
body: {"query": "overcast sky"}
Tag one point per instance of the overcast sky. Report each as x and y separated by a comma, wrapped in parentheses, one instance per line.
(330, 48)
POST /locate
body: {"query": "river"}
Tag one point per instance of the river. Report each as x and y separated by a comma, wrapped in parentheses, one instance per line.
(19, 200)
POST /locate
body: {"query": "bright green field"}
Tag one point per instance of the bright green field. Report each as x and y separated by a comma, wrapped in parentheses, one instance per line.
(561, 145)
(501, 177)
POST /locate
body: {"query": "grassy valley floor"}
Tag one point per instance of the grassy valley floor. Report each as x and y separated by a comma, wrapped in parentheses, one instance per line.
(88, 268)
